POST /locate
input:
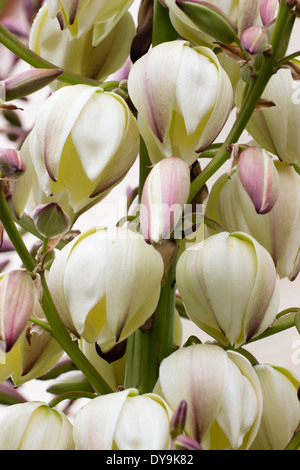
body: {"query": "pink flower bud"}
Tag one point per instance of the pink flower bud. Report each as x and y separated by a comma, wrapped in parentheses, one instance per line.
(17, 296)
(11, 163)
(255, 40)
(164, 194)
(30, 81)
(268, 10)
(178, 420)
(259, 177)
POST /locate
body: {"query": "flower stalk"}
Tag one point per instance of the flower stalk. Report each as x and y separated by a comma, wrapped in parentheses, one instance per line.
(20, 50)
(252, 98)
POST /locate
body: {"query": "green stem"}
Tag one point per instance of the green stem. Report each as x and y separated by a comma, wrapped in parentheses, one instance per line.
(163, 30)
(40, 323)
(281, 324)
(33, 59)
(3, 4)
(144, 168)
(145, 351)
(251, 100)
(57, 327)
(294, 443)
(68, 345)
(70, 396)
(14, 236)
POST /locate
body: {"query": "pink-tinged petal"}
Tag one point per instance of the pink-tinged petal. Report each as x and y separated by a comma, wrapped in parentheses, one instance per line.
(164, 194)
(255, 39)
(12, 164)
(259, 177)
(198, 375)
(248, 12)
(30, 81)
(268, 10)
(17, 296)
(152, 85)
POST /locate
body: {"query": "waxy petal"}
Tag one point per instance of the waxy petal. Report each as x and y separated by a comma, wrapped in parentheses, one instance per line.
(17, 295)
(149, 79)
(255, 39)
(164, 194)
(53, 128)
(95, 424)
(142, 410)
(268, 10)
(197, 376)
(35, 426)
(259, 177)
(276, 429)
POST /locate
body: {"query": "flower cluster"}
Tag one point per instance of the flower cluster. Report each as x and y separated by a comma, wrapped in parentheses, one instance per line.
(101, 310)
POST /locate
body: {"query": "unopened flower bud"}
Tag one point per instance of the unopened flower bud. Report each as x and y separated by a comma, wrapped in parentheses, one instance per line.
(213, 383)
(259, 177)
(178, 420)
(255, 40)
(278, 230)
(281, 407)
(28, 82)
(128, 422)
(165, 192)
(17, 293)
(229, 287)
(268, 10)
(50, 220)
(35, 426)
(210, 19)
(203, 23)
(12, 165)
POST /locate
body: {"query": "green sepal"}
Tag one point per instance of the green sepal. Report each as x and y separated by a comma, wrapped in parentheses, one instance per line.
(210, 19)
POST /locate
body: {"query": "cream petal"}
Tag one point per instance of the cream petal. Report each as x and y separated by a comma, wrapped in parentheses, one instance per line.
(56, 286)
(130, 283)
(239, 409)
(53, 128)
(83, 296)
(95, 424)
(196, 374)
(223, 104)
(152, 87)
(143, 424)
(9, 417)
(197, 84)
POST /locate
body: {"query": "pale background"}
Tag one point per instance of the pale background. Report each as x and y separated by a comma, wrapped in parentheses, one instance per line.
(282, 349)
